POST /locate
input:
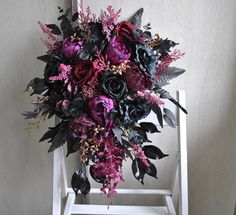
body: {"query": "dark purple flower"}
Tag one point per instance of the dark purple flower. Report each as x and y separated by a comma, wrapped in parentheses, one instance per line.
(118, 51)
(136, 80)
(70, 49)
(81, 127)
(100, 109)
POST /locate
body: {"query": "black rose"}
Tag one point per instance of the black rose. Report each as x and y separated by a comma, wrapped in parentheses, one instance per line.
(133, 110)
(146, 59)
(114, 85)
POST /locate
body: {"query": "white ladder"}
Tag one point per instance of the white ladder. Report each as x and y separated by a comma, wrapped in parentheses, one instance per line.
(176, 198)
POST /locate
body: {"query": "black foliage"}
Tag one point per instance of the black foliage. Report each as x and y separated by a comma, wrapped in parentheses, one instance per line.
(80, 182)
(169, 117)
(165, 47)
(29, 114)
(148, 127)
(151, 170)
(136, 19)
(75, 16)
(55, 29)
(118, 133)
(168, 74)
(66, 27)
(138, 169)
(38, 85)
(165, 95)
(72, 146)
(60, 138)
(153, 152)
(138, 136)
(157, 110)
(40, 109)
(50, 134)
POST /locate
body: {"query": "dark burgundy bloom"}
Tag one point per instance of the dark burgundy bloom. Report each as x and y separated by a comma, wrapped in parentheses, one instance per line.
(125, 30)
(136, 79)
(84, 72)
(118, 51)
(81, 127)
(100, 108)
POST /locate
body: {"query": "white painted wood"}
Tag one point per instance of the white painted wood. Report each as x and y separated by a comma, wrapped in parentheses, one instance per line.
(131, 191)
(183, 200)
(169, 203)
(57, 174)
(175, 186)
(64, 175)
(69, 203)
(118, 210)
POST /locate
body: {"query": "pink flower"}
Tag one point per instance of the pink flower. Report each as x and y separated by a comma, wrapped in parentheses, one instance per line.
(117, 51)
(64, 73)
(100, 109)
(70, 49)
(81, 127)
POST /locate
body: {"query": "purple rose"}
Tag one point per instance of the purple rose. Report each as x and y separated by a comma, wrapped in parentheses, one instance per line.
(70, 49)
(136, 80)
(81, 127)
(100, 109)
(118, 51)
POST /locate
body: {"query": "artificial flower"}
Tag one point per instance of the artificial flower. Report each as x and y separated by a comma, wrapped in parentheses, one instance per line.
(118, 51)
(100, 108)
(70, 49)
(136, 79)
(114, 85)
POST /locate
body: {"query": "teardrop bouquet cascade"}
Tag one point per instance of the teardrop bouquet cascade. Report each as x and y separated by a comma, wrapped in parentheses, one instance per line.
(101, 78)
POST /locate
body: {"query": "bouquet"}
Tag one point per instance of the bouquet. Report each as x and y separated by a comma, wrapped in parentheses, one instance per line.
(101, 78)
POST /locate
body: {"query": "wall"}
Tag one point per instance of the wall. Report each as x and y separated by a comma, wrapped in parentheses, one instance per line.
(206, 31)
(25, 165)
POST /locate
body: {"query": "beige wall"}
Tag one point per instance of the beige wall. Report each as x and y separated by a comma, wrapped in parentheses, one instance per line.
(206, 31)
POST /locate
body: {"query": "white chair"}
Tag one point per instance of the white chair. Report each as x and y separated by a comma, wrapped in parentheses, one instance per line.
(175, 198)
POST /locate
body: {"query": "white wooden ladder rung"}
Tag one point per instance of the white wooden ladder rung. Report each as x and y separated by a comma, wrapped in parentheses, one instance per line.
(175, 198)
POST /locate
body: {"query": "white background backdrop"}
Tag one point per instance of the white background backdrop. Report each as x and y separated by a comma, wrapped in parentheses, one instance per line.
(206, 31)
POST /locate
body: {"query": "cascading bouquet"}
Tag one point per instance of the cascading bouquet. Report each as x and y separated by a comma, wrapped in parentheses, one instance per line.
(101, 77)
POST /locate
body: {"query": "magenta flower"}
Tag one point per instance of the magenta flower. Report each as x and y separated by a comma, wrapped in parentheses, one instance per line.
(100, 109)
(117, 51)
(70, 49)
(81, 127)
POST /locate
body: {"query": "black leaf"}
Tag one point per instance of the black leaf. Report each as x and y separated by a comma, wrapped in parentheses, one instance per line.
(117, 133)
(138, 169)
(136, 19)
(78, 178)
(157, 110)
(72, 146)
(148, 127)
(45, 58)
(85, 187)
(55, 29)
(168, 74)
(75, 16)
(50, 134)
(66, 27)
(29, 114)
(170, 115)
(153, 152)
(178, 105)
(169, 121)
(151, 170)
